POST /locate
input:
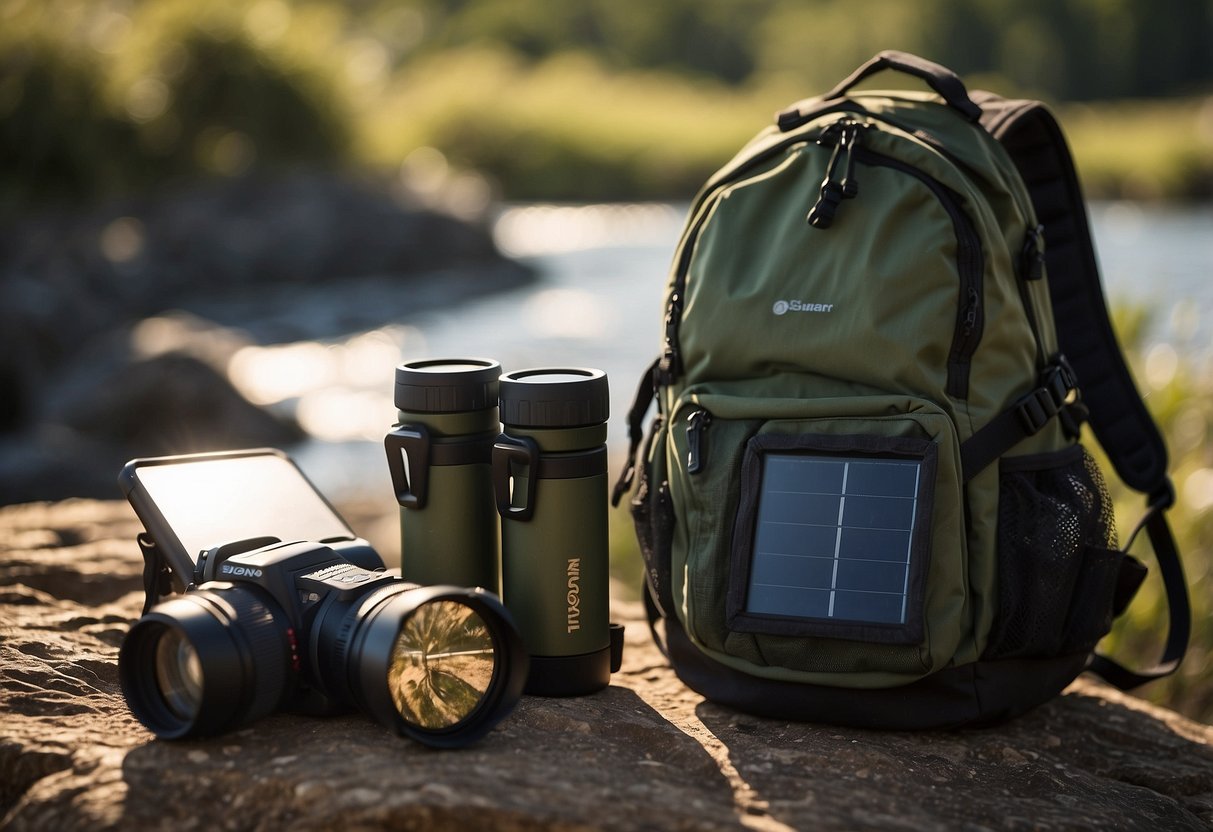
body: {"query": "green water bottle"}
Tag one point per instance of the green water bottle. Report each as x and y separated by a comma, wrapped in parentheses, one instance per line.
(550, 483)
(440, 456)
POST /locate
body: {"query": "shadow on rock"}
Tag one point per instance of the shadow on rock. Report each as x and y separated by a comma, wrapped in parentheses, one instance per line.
(1079, 762)
(603, 761)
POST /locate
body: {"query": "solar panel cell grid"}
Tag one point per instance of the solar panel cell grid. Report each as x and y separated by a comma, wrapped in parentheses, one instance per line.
(833, 538)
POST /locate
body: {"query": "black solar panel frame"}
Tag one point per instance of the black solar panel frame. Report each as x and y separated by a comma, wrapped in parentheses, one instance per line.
(867, 447)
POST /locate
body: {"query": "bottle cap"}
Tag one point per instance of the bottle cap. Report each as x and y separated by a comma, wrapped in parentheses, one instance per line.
(555, 397)
(447, 385)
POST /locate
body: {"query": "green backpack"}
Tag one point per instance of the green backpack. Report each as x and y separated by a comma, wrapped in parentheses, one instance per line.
(863, 500)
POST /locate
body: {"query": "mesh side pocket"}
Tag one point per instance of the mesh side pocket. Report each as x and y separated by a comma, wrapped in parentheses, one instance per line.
(653, 516)
(1052, 510)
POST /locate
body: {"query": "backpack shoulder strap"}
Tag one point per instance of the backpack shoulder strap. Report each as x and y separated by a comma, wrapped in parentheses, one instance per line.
(1033, 139)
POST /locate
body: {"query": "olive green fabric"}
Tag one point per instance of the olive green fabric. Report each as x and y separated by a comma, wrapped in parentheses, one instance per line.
(787, 328)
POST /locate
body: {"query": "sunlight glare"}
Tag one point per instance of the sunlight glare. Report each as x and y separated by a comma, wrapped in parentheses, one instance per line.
(339, 414)
(270, 374)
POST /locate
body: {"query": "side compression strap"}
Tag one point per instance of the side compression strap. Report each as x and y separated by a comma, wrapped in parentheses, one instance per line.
(1118, 416)
(1025, 418)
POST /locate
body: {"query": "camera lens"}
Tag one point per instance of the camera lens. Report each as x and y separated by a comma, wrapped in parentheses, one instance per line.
(178, 674)
(204, 663)
(441, 665)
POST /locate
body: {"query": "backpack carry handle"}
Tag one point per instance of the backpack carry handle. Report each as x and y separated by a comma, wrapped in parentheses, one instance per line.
(941, 79)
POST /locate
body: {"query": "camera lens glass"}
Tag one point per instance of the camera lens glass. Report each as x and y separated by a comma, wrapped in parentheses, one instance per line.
(441, 665)
(205, 662)
(178, 674)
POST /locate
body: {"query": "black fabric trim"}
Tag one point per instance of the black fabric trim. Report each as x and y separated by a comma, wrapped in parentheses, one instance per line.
(965, 696)
(645, 393)
(1033, 138)
(1026, 417)
(1180, 621)
(1043, 461)
(941, 79)
(742, 548)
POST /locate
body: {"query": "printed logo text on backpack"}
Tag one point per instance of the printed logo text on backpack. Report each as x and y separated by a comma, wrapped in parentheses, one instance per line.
(782, 307)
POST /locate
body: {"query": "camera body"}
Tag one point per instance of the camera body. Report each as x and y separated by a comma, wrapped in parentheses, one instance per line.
(297, 626)
(306, 581)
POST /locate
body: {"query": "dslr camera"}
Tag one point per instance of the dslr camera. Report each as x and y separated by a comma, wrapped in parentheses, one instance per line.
(311, 626)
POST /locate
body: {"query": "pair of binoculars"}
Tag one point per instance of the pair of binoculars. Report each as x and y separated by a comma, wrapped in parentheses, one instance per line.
(477, 453)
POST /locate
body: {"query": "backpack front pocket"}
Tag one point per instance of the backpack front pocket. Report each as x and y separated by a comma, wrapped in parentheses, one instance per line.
(821, 537)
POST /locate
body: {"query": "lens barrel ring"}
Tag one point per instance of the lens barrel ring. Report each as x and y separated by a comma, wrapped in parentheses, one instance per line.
(266, 656)
(371, 648)
(243, 657)
(330, 647)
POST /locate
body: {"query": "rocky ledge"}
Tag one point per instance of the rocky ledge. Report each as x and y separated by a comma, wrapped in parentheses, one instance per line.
(645, 753)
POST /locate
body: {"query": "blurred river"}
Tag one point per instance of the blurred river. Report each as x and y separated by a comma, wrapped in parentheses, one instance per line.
(597, 303)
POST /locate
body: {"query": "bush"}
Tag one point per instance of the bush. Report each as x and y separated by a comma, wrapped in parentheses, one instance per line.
(57, 139)
(179, 92)
(206, 97)
(564, 128)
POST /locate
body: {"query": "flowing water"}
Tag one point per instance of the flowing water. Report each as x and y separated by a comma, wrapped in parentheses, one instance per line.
(597, 303)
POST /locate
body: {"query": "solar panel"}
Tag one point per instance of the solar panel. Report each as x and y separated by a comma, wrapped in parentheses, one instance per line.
(834, 538)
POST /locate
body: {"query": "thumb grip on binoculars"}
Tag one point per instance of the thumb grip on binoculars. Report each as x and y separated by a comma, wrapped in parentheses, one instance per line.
(413, 441)
(509, 452)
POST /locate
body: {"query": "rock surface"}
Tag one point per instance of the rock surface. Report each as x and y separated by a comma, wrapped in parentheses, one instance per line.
(646, 753)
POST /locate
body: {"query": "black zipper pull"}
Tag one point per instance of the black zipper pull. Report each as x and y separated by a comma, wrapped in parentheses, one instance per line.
(822, 213)
(850, 185)
(834, 187)
(697, 423)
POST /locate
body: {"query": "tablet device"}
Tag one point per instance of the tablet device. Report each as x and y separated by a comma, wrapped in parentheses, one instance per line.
(195, 502)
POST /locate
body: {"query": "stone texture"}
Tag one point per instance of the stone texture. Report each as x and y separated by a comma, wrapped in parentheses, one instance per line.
(646, 753)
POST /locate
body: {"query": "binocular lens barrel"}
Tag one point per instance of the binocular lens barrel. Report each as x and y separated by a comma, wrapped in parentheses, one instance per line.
(550, 484)
(439, 455)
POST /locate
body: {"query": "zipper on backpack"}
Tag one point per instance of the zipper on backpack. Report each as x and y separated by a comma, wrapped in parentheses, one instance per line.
(969, 261)
(697, 425)
(844, 135)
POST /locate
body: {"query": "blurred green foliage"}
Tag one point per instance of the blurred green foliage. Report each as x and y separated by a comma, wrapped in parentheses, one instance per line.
(600, 99)
(1179, 394)
(1068, 49)
(104, 97)
(56, 136)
